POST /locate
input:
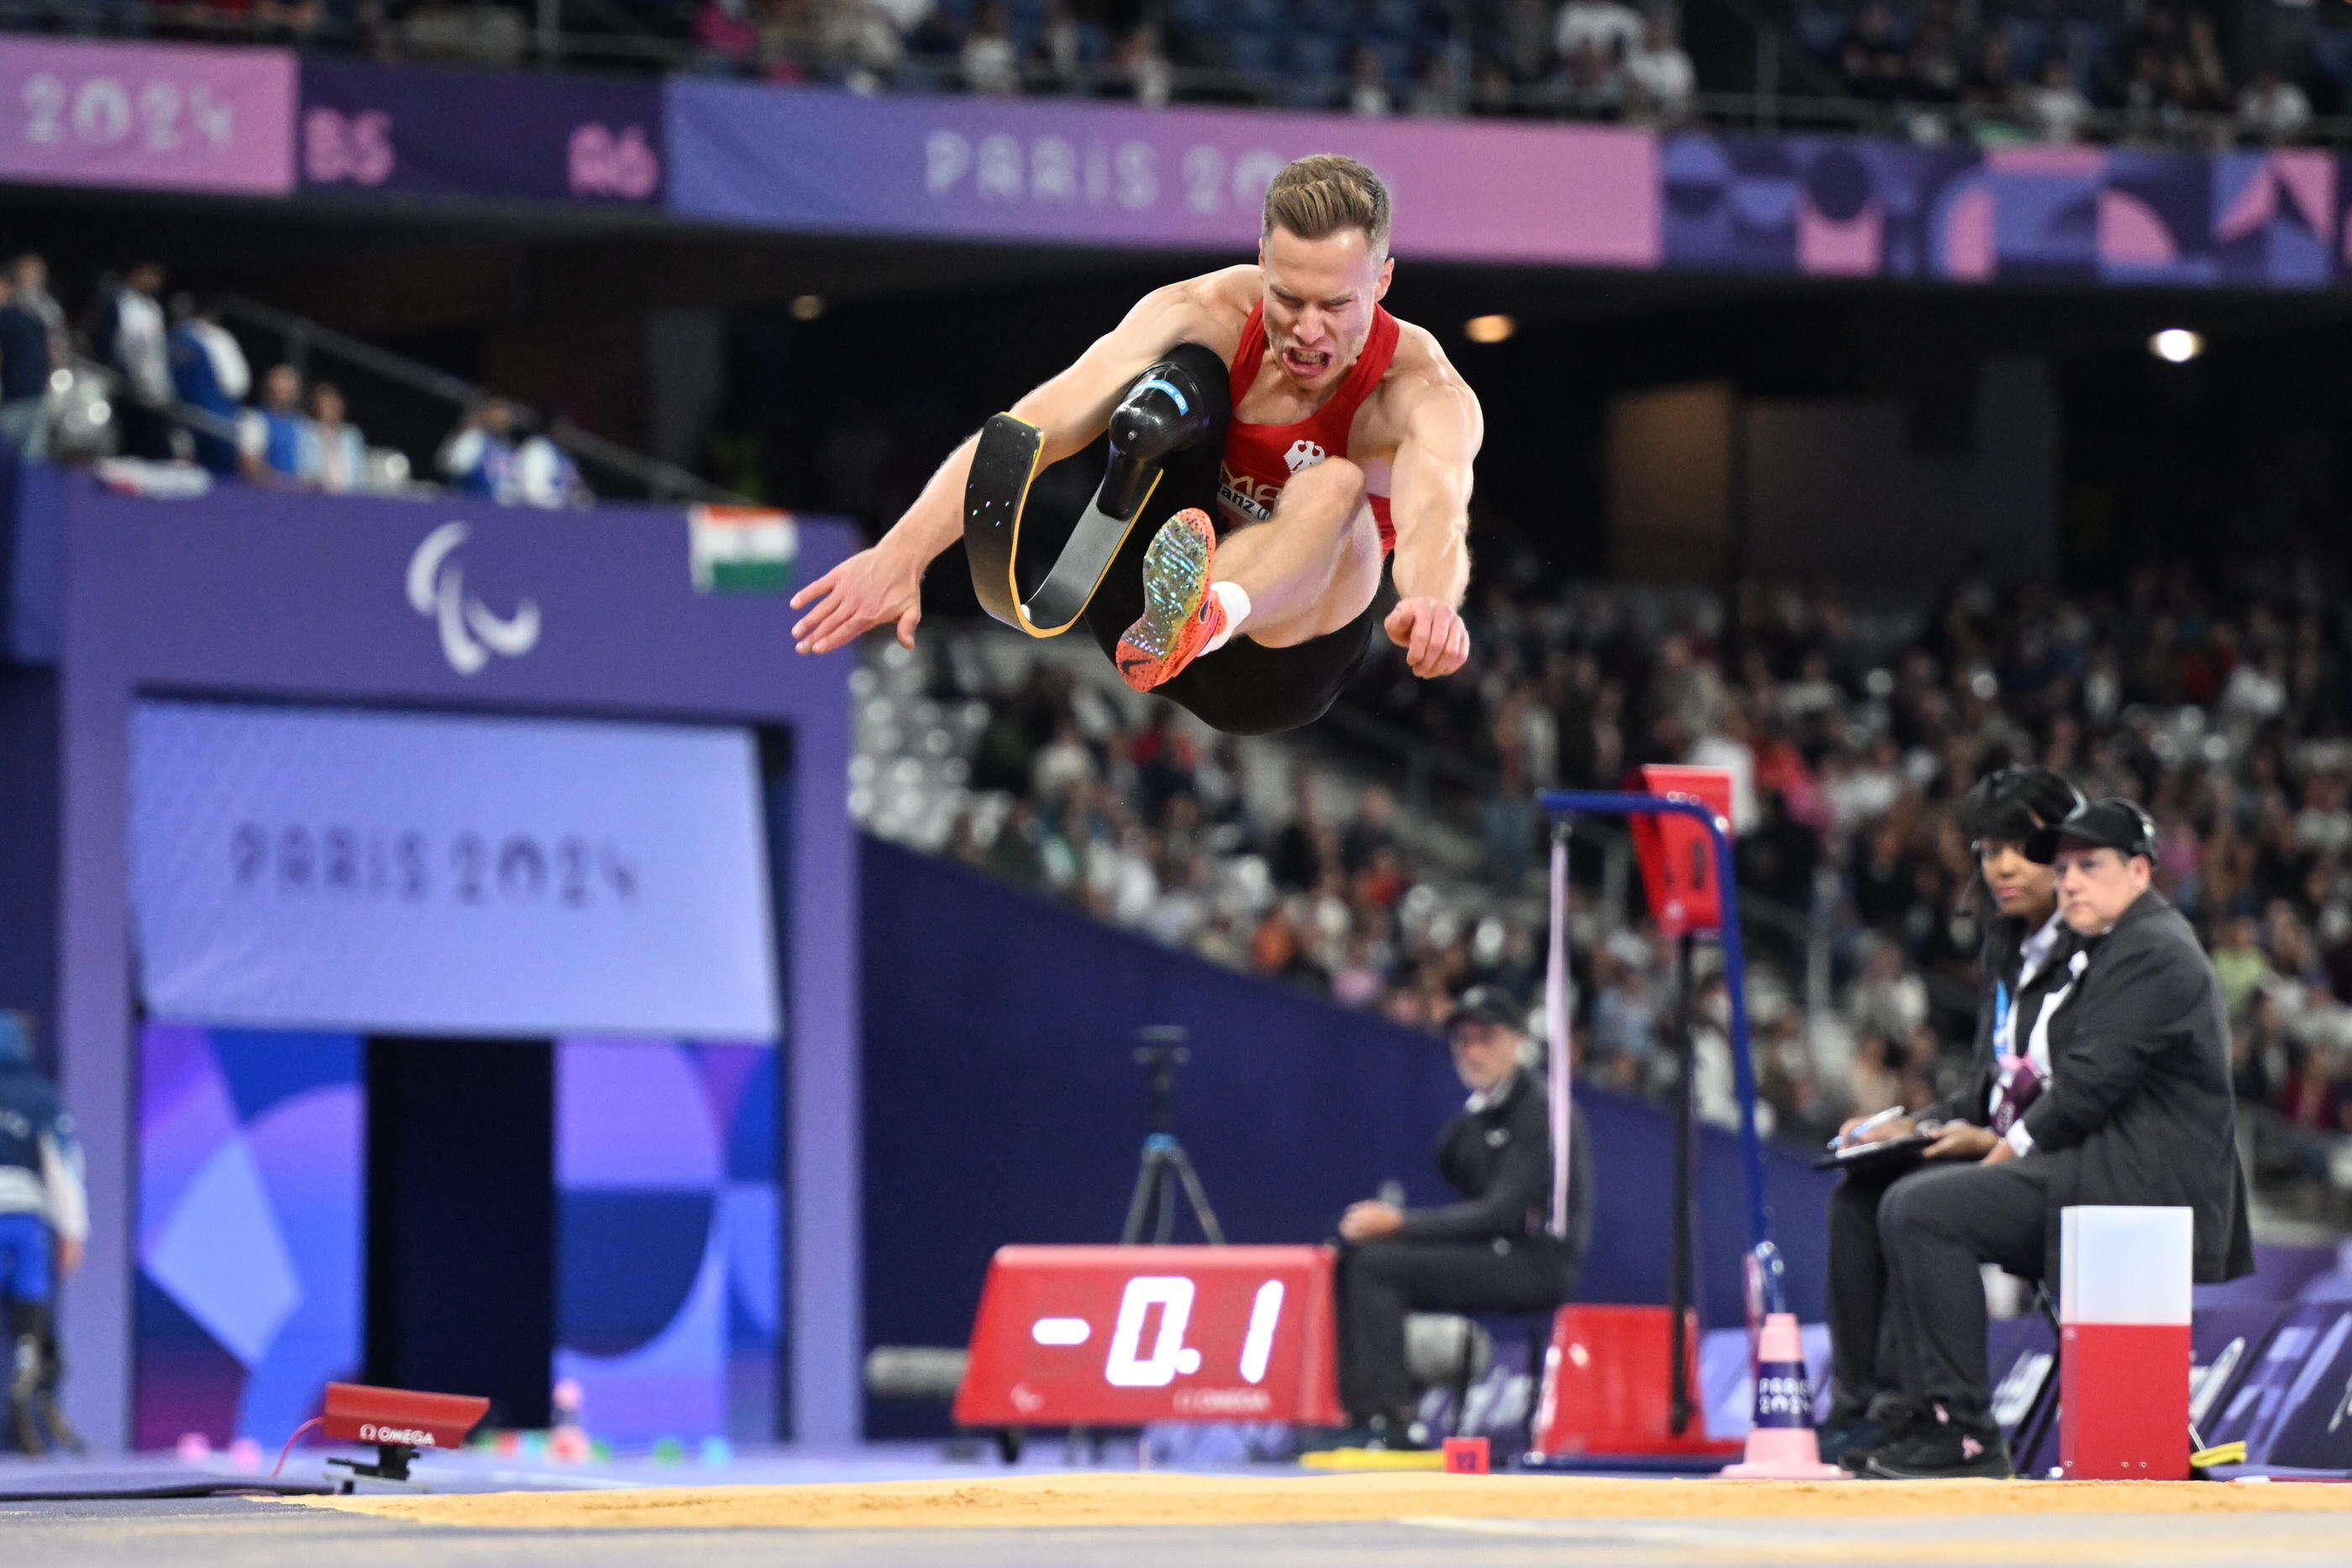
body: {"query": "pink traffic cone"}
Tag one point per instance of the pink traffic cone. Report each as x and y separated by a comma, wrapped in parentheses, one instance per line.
(1781, 1444)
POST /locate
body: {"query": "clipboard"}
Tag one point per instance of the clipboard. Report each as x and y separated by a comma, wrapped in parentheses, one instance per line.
(1888, 1154)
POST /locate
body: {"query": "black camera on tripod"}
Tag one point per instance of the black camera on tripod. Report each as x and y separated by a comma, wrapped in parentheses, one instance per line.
(1166, 1176)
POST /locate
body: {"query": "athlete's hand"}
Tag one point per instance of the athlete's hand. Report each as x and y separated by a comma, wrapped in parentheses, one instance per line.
(1432, 635)
(1370, 1221)
(872, 588)
(1963, 1141)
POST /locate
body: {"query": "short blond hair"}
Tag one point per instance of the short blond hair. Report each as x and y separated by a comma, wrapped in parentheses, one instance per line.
(1317, 196)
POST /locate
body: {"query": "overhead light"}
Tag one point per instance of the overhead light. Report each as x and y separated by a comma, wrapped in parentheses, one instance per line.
(808, 307)
(1488, 328)
(2177, 345)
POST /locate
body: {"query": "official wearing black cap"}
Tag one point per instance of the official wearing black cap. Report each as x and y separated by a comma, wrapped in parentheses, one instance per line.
(1497, 1251)
(2121, 1095)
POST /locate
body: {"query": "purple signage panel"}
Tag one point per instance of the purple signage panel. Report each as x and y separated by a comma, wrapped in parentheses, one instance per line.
(507, 134)
(1108, 174)
(147, 117)
(1837, 206)
(274, 596)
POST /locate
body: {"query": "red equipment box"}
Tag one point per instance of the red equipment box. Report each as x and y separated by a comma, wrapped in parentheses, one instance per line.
(1677, 856)
(1118, 1336)
(1606, 1386)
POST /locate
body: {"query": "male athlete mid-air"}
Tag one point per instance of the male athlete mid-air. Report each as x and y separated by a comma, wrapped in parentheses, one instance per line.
(1318, 431)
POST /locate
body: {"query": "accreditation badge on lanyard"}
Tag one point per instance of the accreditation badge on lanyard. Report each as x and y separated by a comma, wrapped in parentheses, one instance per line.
(2020, 1082)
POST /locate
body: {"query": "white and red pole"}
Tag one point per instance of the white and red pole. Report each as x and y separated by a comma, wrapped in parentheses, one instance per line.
(2124, 1305)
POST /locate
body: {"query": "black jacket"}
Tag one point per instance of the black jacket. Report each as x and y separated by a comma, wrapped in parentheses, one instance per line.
(1499, 1160)
(1997, 968)
(2140, 1084)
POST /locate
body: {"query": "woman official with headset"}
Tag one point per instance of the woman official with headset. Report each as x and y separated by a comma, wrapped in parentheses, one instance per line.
(2025, 956)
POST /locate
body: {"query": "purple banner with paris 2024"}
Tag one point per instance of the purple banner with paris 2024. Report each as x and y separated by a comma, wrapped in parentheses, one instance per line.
(143, 117)
(1182, 179)
(537, 136)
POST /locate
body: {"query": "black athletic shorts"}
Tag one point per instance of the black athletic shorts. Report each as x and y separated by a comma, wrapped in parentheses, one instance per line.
(1245, 687)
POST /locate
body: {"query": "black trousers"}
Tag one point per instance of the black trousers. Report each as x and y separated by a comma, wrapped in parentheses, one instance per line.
(1381, 1281)
(1863, 1365)
(1245, 687)
(1937, 1227)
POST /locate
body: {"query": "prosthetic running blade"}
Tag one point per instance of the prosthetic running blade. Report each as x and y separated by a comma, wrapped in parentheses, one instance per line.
(1004, 466)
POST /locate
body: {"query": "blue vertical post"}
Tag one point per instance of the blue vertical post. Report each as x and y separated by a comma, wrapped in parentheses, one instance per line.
(1568, 802)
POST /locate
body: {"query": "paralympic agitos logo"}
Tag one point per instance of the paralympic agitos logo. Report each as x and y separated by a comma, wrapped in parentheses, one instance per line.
(470, 633)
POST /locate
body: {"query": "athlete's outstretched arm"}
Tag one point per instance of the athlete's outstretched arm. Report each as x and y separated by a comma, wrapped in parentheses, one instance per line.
(1431, 507)
(883, 584)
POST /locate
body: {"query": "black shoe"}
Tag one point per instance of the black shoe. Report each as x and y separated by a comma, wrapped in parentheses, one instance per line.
(1849, 1443)
(1935, 1451)
(1889, 1422)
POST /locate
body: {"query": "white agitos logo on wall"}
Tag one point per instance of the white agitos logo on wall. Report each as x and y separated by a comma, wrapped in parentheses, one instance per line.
(469, 633)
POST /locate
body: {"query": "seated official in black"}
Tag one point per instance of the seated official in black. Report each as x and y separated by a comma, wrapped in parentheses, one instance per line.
(1512, 1245)
(2134, 1107)
(2026, 950)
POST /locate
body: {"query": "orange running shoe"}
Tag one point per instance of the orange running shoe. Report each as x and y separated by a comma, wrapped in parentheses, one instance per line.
(1179, 614)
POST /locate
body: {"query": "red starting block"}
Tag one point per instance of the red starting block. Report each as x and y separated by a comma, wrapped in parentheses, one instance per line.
(398, 1422)
(1118, 1336)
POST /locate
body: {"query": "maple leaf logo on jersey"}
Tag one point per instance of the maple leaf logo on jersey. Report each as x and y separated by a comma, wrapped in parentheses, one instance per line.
(1303, 455)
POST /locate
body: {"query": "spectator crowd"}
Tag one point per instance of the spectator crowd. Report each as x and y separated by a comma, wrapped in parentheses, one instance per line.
(2150, 73)
(1849, 738)
(163, 380)
(1934, 69)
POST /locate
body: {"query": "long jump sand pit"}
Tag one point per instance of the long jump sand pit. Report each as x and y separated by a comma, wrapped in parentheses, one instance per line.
(1064, 1502)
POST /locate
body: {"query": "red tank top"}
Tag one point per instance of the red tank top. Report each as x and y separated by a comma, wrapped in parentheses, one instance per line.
(1260, 458)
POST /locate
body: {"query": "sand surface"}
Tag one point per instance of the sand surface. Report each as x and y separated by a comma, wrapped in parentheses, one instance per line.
(1115, 1499)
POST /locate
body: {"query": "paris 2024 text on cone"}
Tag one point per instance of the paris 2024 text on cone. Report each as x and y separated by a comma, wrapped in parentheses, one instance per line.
(1781, 1444)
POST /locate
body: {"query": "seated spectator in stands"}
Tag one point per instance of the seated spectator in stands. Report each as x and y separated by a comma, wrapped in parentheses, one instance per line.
(334, 452)
(27, 357)
(2204, 57)
(209, 373)
(1610, 28)
(1493, 93)
(1991, 88)
(1441, 93)
(1527, 49)
(1659, 74)
(989, 62)
(29, 273)
(478, 458)
(1368, 84)
(2056, 108)
(788, 38)
(130, 337)
(546, 476)
(469, 34)
(1142, 70)
(288, 23)
(729, 32)
(1591, 85)
(1067, 45)
(2274, 109)
(862, 43)
(271, 434)
(1935, 70)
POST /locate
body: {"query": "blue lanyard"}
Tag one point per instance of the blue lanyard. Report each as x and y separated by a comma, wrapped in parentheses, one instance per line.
(2002, 1043)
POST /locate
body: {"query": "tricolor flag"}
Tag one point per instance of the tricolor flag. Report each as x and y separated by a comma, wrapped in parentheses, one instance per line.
(744, 549)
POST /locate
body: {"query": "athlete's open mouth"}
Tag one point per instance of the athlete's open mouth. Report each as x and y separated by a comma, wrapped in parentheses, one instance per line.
(1305, 364)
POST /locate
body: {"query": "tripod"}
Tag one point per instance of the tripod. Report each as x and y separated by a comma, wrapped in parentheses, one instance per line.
(1166, 1174)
